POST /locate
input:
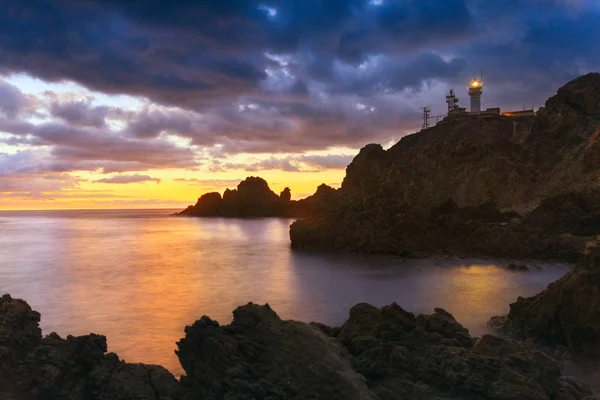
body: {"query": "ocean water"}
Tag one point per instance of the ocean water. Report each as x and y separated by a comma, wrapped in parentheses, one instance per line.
(140, 276)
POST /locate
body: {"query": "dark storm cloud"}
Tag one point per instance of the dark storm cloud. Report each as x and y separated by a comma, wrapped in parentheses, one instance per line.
(278, 76)
(190, 52)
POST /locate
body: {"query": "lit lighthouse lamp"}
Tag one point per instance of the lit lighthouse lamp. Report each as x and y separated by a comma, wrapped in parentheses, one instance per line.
(475, 91)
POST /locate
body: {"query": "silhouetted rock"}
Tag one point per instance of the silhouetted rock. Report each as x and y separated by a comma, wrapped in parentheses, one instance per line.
(286, 195)
(451, 188)
(209, 204)
(382, 354)
(377, 354)
(75, 368)
(254, 198)
(261, 356)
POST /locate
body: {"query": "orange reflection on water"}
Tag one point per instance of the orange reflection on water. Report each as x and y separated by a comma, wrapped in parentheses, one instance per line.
(140, 280)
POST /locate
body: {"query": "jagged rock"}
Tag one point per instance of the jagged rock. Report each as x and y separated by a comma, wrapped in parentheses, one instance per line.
(433, 357)
(378, 354)
(254, 198)
(566, 315)
(75, 368)
(286, 195)
(261, 356)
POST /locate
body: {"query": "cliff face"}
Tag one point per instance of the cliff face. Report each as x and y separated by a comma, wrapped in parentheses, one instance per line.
(254, 198)
(552, 158)
(378, 354)
(514, 161)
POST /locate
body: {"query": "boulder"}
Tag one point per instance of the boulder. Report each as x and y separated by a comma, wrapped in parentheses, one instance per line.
(261, 356)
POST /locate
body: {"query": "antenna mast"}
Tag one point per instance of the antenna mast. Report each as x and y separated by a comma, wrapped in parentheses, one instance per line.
(426, 111)
(452, 101)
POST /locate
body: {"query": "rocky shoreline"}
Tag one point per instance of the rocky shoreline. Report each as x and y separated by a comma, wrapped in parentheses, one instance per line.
(383, 353)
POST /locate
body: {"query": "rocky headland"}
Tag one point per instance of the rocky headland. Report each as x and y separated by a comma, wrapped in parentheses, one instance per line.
(254, 198)
(516, 187)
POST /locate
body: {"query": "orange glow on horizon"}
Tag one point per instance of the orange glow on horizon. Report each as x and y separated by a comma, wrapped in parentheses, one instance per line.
(177, 189)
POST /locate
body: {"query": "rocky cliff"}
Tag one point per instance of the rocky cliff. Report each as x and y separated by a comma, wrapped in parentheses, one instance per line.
(254, 198)
(378, 354)
(545, 168)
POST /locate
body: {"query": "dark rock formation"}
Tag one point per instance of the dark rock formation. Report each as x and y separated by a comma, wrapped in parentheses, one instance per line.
(209, 204)
(413, 231)
(260, 356)
(485, 165)
(378, 354)
(569, 212)
(564, 316)
(75, 368)
(286, 195)
(254, 198)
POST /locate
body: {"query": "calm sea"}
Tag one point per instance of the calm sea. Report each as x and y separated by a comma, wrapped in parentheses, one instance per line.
(140, 276)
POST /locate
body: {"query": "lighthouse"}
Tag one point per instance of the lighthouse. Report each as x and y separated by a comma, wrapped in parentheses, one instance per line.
(475, 91)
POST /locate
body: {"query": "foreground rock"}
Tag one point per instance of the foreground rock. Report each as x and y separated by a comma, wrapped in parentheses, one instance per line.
(544, 167)
(565, 316)
(378, 354)
(260, 356)
(254, 198)
(75, 368)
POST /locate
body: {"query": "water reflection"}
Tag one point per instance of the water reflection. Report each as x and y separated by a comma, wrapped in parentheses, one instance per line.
(140, 277)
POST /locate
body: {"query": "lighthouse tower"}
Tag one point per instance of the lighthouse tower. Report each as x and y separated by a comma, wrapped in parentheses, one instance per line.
(475, 91)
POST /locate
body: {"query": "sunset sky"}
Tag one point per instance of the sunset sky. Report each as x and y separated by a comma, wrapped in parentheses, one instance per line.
(147, 103)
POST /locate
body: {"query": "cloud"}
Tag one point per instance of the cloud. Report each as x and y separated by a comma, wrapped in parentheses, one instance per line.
(220, 78)
(210, 182)
(82, 147)
(80, 113)
(296, 163)
(12, 101)
(123, 179)
(21, 177)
